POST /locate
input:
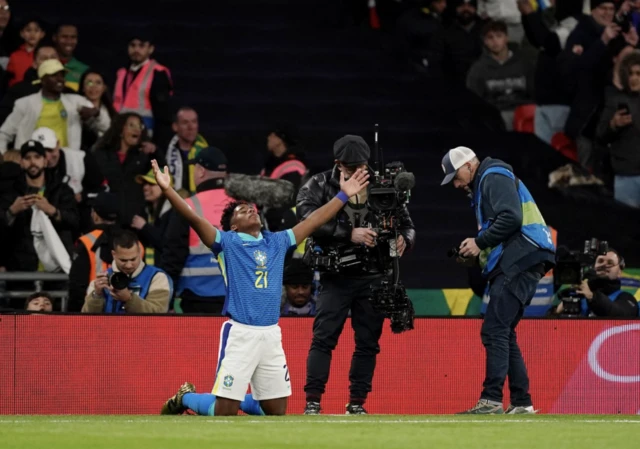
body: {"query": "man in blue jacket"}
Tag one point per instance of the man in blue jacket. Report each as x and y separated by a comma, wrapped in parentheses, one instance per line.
(514, 249)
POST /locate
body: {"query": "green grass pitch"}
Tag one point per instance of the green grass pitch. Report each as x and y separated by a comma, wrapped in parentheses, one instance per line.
(318, 432)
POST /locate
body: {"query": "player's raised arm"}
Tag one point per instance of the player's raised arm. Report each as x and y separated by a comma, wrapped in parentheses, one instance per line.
(205, 230)
(320, 216)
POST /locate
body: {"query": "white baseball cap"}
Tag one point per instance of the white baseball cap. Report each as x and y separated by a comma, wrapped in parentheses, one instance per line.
(453, 160)
(46, 136)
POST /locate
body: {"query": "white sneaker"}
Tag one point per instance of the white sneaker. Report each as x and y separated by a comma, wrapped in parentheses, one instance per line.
(513, 410)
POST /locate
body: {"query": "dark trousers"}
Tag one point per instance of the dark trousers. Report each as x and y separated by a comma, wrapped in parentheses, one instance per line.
(338, 295)
(507, 300)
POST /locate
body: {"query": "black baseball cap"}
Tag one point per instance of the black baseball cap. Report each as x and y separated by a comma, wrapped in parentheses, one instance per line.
(211, 158)
(32, 145)
(107, 206)
(351, 150)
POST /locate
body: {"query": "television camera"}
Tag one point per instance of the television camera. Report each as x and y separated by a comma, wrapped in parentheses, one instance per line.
(573, 267)
(388, 193)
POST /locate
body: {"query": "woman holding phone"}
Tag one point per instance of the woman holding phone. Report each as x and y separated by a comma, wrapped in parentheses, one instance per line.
(619, 128)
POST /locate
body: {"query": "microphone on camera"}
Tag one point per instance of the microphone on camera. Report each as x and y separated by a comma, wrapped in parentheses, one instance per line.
(261, 191)
(405, 181)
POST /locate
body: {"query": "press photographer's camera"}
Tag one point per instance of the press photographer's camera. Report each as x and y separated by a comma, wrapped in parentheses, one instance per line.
(573, 267)
(119, 280)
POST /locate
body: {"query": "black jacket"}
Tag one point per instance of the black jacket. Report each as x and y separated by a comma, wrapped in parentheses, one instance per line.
(501, 204)
(623, 143)
(550, 88)
(176, 239)
(92, 181)
(152, 235)
(625, 305)
(321, 189)
(453, 50)
(586, 74)
(80, 266)
(21, 253)
(121, 179)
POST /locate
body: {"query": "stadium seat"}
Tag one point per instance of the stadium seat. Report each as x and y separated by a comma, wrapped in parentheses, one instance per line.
(523, 118)
(567, 147)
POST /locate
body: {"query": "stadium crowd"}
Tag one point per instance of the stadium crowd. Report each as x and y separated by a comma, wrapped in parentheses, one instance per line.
(565, 70)
(76, 181)
(77, 194)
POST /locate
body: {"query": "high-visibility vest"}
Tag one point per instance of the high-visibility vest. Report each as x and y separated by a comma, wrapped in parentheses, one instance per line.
(136, 98)
(286, 167)
(96, 264)
(533, 228)
(201, 273)
(544, 296)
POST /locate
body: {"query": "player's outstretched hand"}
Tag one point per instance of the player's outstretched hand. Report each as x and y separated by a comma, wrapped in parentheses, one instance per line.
(163, 179)
(357, 182)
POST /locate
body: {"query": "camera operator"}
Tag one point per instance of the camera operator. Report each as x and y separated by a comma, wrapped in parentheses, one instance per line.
(515, 250)
(602, 294)
(129, 286)
(347, 290)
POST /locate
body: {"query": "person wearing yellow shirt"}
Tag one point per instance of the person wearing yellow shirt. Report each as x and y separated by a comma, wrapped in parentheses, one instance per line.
(50, 108)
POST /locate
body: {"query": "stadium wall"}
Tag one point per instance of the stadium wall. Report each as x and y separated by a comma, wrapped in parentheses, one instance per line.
(72, 364)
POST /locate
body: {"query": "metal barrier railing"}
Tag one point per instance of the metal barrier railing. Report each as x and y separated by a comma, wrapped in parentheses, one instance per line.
(38, 278)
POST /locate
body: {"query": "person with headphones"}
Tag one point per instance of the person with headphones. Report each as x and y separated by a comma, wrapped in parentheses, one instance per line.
(603, 296)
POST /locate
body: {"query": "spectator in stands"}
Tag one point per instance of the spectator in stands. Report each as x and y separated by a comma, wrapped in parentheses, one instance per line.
(10, 170)
(455, 47)
(94, 88)
(39, 302)
(284, 161)
(50, 107)
(603, 295)
(152, 229)
(197, 276)
(505, 11)
(619, 128)
(92, 253)
(32, 32)
(501, 77)
(549, 35)
(76, 168)
(123, 153)
(585, 64)
(63, 166)
(145, 88)
(416, 26)
(297, 298)
(149, 289)
(54, 209)
(183, 148)
(9, 38)
(66, 40)
(42, 53)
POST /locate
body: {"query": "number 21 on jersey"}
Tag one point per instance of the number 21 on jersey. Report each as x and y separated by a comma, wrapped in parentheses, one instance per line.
(261, 279)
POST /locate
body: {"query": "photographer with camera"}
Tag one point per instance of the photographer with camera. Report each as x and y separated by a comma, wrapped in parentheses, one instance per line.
(130, 285)
(600, 294)
(352, 235)
(515, 250)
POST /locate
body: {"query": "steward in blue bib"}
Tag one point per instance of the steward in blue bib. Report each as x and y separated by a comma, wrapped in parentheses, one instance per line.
(609, 300)
(139, 285)
(531, 245)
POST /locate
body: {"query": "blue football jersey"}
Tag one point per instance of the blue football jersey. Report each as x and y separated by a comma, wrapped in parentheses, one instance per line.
(252, 269)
